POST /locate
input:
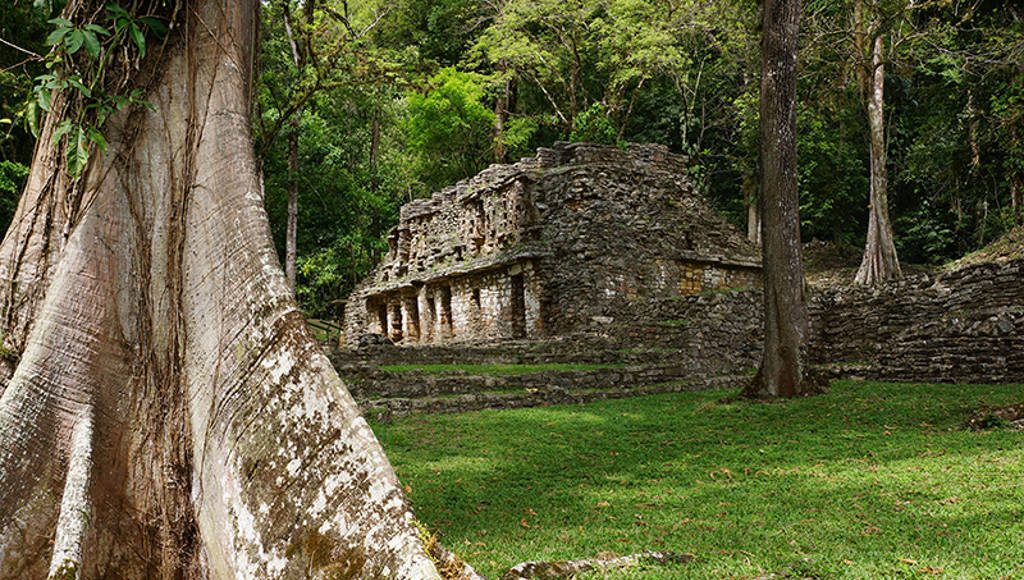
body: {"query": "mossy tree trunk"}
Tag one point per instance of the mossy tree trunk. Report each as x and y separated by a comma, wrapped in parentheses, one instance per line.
(164, 411)
(784, 371)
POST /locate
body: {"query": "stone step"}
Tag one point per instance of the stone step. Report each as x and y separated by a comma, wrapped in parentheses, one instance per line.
(371, 382)
(386, 409)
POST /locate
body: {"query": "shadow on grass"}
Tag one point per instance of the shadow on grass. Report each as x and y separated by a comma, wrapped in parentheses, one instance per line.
(862, 482)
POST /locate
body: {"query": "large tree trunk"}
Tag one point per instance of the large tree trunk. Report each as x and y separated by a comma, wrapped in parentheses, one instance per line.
(784, 370)
(165, 412)
(880, 262)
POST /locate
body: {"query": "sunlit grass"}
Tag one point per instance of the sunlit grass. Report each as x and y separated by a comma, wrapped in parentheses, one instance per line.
(870, 481)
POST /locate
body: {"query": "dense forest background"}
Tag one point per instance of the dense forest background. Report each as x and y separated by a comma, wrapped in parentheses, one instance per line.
(365, 105)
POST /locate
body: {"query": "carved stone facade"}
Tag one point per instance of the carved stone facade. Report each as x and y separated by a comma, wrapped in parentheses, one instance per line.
(577, 236)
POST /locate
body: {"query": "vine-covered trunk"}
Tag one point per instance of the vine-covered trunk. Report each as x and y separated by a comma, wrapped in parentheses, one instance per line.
(784, 371)
(164, 410)
(880, 262)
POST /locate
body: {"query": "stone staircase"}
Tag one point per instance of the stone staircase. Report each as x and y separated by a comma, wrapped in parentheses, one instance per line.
(389, 381)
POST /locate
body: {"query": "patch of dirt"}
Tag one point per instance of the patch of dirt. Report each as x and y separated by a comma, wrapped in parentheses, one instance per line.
(997, 417)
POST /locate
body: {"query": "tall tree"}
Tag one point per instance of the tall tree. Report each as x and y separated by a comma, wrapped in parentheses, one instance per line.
(300, 48)
(784, 371)
(164, 411)
(880, 262)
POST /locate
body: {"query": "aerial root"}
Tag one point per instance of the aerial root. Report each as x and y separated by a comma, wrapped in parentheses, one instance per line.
(569, 568)
(73, 521)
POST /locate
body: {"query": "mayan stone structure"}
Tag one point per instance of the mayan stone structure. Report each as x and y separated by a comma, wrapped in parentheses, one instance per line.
(578, 236)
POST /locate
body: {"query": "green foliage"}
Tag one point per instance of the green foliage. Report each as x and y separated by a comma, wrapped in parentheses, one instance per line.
(428, 73)
(448, 128)
(925, 235)
(833, 174)
(83, 80)
(872, 480)
(594, 126)
(327, 274)
(12, 180)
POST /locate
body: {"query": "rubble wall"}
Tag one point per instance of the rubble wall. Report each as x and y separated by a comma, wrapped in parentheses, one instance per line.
(964, 326)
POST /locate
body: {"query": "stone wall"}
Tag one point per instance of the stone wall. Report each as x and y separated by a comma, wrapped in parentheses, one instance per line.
(490, 304)
(964, 326)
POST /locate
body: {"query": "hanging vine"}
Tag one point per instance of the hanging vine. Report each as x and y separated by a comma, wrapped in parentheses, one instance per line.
(89, 68)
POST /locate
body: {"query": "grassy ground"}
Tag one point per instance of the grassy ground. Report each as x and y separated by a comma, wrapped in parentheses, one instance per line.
(496, 369)
(869, 481)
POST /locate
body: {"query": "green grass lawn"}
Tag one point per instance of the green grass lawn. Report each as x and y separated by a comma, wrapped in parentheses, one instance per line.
(869, 481)
(498, 368)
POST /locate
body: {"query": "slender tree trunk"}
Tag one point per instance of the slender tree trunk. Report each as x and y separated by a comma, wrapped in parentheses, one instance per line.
(1017, 199)
(753, 216)
(1016, 183)
(750, 189)
(501, 118)
(164, 411)
(375, 150)
(880, 262)
(291, 234)
(972, 132)
(784, 371)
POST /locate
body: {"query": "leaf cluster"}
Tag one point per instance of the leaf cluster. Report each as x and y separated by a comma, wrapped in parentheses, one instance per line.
(79, 68)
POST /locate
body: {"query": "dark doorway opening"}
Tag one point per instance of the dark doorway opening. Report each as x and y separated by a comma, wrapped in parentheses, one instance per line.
(518, 307)
(446, 310)
(382, 316)
(413, 306)
(396, 322)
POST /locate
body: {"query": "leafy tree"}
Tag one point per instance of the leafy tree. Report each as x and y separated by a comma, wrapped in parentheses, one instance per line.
(449, 128)
(594, 126)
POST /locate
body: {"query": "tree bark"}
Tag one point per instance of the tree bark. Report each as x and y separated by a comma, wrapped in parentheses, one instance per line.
(753, 215)
(291, 233)
(1016, 183)
(164, 411)
(973, 128)
(501, 118)
(784, 371)
(880, 262)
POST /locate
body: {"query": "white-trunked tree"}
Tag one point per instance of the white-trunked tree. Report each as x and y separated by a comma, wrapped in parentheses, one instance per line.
(164, 411)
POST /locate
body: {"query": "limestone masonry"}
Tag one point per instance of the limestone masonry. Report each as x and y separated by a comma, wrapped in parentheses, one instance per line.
(578, 236)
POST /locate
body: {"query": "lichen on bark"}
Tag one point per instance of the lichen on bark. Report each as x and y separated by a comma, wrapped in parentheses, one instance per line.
(165, 412)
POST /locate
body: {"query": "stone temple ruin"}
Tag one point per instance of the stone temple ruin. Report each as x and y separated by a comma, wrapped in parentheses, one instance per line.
(573, 238)
(601, 268)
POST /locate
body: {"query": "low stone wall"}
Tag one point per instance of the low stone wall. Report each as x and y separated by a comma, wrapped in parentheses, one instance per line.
(965, 326)
(370, 382)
